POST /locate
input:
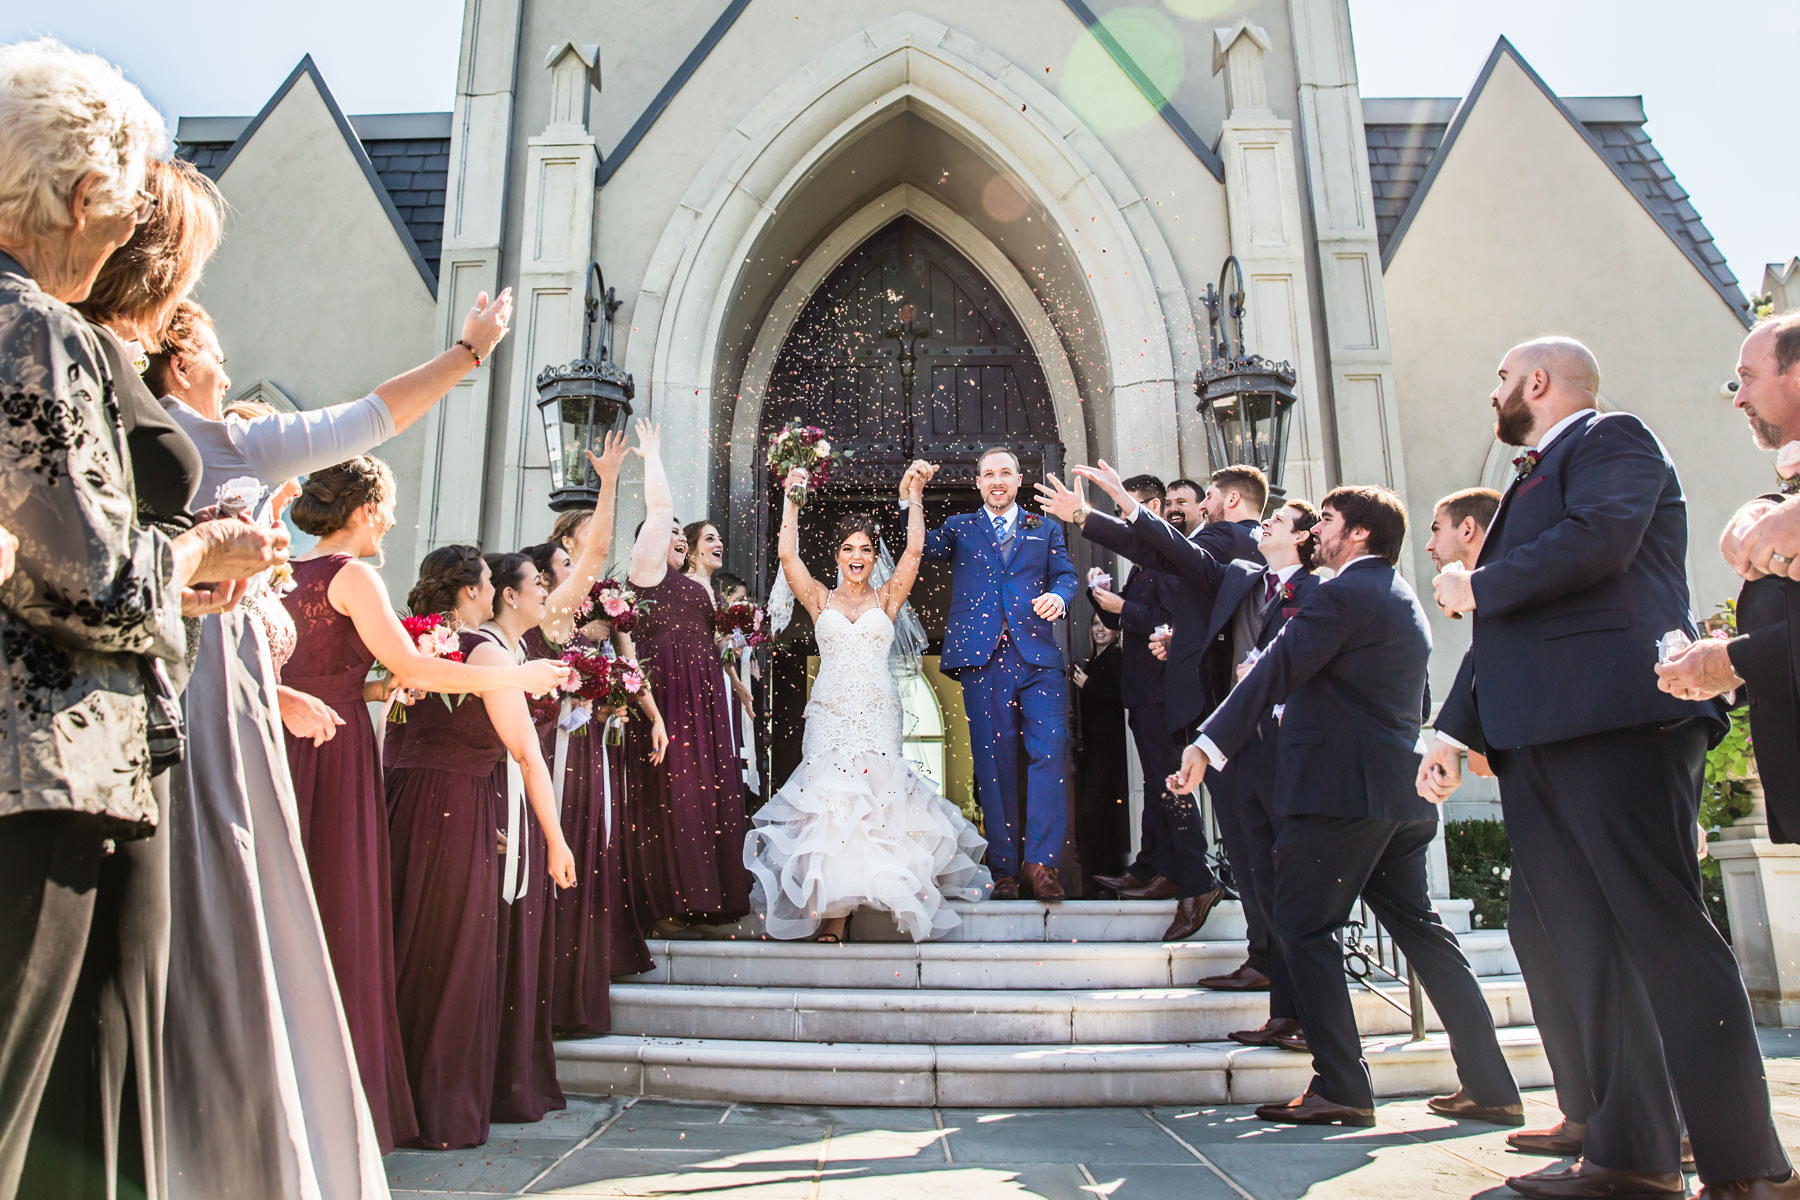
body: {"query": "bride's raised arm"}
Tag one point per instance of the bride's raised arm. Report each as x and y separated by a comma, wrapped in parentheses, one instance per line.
(906, 571)
(810, 592)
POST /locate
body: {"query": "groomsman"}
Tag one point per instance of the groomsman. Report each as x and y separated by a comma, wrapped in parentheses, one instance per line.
(1582, 573)
(1764, 658)
(1136, 609)
(1459, 525)
(1349, 668)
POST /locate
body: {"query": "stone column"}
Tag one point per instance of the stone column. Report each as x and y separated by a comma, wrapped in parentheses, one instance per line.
(1363, 403)
(556, 244)
(456, 430)
(1268, 236)
(1762, 896)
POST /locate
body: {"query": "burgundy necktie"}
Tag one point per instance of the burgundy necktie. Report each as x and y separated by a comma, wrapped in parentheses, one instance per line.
(1273, 582)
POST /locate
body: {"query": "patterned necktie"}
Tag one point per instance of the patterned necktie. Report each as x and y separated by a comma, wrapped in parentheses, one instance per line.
(1004, 537)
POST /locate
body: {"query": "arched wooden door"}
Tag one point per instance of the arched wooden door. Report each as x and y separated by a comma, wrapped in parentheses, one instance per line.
(976, 384)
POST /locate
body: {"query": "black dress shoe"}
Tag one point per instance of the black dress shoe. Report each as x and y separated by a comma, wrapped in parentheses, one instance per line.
(1460, 1107)
(1245, 979)
(1271, 1029)
(1119, 883)
(1586, 1181)
(1190, 915)
(1311, 1109)
(1005, 888)
(1562, 1140)
(1159, 888)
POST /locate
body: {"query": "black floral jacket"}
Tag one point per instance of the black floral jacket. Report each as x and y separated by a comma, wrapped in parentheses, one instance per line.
(92, 591)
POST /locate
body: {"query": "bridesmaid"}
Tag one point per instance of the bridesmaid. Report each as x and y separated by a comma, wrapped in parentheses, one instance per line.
(344, 623)
(702, 563)
(446, 865)
(684, 853)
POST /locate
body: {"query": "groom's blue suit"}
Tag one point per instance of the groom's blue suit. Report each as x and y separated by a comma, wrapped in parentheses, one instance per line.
(1011, 670)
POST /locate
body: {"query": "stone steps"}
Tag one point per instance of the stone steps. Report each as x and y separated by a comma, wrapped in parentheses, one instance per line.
(924, 1074)
(955, 1017)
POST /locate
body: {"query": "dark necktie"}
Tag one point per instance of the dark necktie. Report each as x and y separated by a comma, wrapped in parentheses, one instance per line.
(1271, 582)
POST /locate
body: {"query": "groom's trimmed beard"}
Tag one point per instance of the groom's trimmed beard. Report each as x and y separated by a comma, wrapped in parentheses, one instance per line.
(1512, 417)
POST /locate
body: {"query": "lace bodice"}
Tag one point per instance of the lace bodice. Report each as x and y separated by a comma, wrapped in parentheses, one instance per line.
(855, 705)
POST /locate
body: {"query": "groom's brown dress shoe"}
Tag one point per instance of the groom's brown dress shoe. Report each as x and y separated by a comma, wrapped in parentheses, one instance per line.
(1311, 1109)
(1588, 1181)
(1119, 883)
(1563, 1140)
(1005, 888)
(1044, 885)
(1459, 1106)
(1190, 915)
(1245, 979)
(1159, 888)
(1266, 1034)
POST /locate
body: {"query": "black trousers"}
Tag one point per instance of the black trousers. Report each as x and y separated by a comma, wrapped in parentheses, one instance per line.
(84, 944)
(1247, 827)
(1172, 842)
(1322, 864)
(1602, 829)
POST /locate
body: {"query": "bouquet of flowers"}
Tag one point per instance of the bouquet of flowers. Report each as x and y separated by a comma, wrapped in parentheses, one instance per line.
(435, 636)
(607, 682)
(741, 626)
(616, 601)
(802, 446)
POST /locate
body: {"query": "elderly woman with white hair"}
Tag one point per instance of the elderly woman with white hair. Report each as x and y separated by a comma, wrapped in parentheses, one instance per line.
(90, 612)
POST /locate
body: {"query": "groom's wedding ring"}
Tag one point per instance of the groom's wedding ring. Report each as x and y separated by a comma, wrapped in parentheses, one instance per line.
(1780, 562)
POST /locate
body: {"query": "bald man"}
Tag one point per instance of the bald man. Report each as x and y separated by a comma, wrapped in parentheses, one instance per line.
(1582, 573)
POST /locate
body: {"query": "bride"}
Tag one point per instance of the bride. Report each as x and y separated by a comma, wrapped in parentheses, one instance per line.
(855, 826)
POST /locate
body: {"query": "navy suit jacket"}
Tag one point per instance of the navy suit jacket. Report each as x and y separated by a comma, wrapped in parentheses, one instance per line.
(989, 595)
(1583, 570)
(1190, 691)
(1350, 665)
(1141, 677)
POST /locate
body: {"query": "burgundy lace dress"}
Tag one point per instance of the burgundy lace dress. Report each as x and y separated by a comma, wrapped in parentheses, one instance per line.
(447, 911)
(684, 833)
(343, 822)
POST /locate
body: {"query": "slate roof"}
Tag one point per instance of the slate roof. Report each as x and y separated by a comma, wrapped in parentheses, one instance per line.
(1405, 135)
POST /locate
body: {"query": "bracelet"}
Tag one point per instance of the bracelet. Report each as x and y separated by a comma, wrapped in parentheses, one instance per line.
(473, 353)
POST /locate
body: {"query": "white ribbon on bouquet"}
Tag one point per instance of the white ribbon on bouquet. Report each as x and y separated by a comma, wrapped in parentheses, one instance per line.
(515, 879)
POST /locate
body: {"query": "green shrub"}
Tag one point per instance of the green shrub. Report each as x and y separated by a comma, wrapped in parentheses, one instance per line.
(1480, 869)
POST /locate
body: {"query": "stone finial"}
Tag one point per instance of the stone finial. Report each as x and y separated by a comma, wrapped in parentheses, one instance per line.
(574, 78)
(1238, 51)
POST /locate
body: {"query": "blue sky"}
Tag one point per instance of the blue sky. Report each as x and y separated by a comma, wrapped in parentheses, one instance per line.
(1717, 79)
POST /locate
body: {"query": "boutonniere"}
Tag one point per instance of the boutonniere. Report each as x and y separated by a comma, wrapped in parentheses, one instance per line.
(1287, 591)
(1787, 465)
(1030, 521)
(1526, 463)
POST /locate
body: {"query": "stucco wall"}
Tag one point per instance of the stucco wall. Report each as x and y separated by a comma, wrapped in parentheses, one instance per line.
(1525, 232)
(312, 287)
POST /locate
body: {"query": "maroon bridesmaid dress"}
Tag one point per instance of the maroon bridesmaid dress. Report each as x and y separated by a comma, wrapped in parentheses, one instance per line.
(343, 822)
(684, 852)
(525, 1086)
(447, 918)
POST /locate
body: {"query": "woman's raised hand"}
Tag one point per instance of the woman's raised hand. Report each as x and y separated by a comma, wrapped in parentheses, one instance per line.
(487, 321)
(544, 675)
(649, 437)
(796, 477)
(613, 449)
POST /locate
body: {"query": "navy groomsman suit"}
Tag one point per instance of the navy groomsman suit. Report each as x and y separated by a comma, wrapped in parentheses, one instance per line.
(1350, 667)
(1192, 686)
(1766, 656)
(1582, 572)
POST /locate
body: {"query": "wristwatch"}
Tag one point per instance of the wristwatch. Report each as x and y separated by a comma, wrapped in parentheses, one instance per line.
(1083, 513)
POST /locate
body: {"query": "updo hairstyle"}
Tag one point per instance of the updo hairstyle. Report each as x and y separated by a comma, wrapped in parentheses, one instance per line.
(567, 523)
(509, 572)
(443, 575)
(333, 493)
(543, 556)
(863, 523)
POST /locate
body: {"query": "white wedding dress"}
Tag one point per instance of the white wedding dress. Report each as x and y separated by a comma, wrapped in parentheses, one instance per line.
(855, 826)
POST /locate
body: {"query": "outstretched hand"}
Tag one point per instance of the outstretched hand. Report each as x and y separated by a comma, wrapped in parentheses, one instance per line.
(1059, 501)
(649, 439)
(613, 449)
(1106, 479)
(487, 322)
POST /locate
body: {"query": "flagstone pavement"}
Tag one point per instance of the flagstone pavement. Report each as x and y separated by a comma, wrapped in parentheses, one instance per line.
(642, 1148)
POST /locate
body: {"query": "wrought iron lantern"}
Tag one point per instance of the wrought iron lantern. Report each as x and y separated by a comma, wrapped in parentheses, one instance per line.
(1245, 399)
(582, 400)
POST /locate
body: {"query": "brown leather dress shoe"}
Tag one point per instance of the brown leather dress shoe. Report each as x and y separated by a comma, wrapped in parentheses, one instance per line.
(1190, 915)
(1753, 1189)
(1159, 888)
(1044, 884)
(1245, 979)
(1119, 883)
(1295, 1041)
(1562, 1140)
(1588, 1181)
(1005, 888)
(1311, 1109)
(1462, 1108)
(1271, 1029)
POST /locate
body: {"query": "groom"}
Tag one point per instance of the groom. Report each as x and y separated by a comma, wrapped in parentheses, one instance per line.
(1010, 580)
